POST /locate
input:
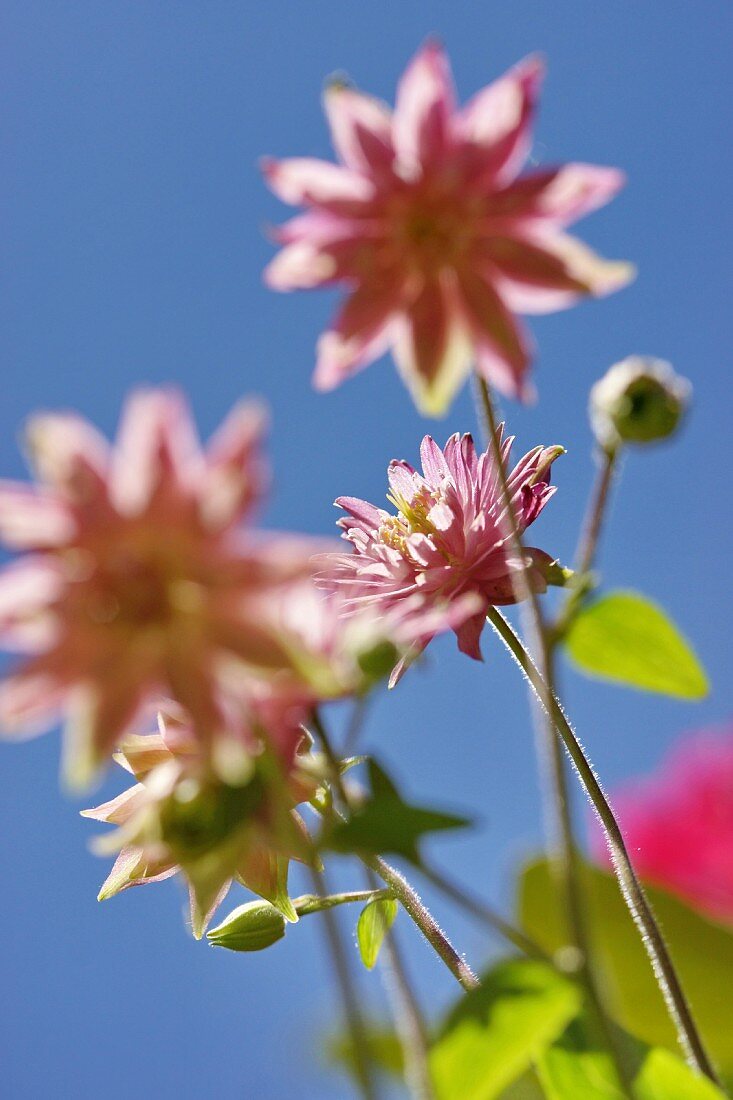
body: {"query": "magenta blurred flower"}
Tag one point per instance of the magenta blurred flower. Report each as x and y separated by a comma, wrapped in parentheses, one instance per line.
(438, 239)
(449, 536)
(135, 579)
(678, 823)
(179, 819)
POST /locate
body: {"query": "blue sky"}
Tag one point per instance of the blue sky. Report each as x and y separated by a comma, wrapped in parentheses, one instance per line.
(133, 244)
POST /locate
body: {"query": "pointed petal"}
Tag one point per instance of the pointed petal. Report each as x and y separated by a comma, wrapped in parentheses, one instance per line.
(432, 350)
(433, 461)
(498, 121)
(503, 347)
(157, 450)
(424, 106)
(119, 809)
(70, 455)
(361, 129)
(28, 590)
(561, 195)
(33, 518)
(308, 181)
(236, 473)
(468, 635)
(359, 334)
(300, 266)
(368, 517)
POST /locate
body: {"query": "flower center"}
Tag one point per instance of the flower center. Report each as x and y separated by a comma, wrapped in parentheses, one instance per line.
(412, 517)
(431, 229)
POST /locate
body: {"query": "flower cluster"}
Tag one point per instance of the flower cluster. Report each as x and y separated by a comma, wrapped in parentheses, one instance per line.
(438, 238)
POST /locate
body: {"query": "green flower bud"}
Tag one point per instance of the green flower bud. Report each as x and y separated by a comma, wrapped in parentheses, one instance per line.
(377, 662)
(638, 400)
(250, 927)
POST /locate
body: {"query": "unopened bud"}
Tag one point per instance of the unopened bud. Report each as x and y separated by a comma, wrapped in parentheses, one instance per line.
(250, 927)
(378, 661)
(638, 400)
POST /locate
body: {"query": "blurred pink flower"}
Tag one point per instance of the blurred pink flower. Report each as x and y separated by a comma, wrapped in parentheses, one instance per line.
(178, 819)
(438, 239)
(135, 580)
(448, 538)
(678, 823)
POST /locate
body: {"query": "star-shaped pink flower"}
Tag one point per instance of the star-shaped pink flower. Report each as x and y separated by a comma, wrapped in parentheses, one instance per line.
(437, 237)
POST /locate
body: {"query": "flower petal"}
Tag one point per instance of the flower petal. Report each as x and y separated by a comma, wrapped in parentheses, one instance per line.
(468, 635)
(70, 455)
(33, 518)
(424, 106)
(432, 350)
(561, 195)
(359, 334)
(361, 129)
(498, 121)
(236, 473)
(28, 590)
(503, 347)
(311, 182)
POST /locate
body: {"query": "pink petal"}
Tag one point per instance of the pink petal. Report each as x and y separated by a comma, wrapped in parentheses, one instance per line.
(433, 461)
(561, 195)
(119, 809)
(236, 473)
(32, 518)
(469, 634)
(361, 129)
(499, 118)
(425, 103)
(70, 455)
(28, 590)
(30, 703)
(402, 479)
(157, 450)
(359, 335)
(431, 350)
(300, 266)
(366, 515)
(503, 347)
(307, 181)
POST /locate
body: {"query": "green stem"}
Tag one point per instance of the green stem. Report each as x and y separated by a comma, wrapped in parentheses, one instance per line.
(631, 888)
(352, 1012)
(316, 903)
(561, 817)
(402, 890)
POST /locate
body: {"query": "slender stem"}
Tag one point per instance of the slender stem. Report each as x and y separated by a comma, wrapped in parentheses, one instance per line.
(352, 1012)
(631, 888)
(561, 816)
(423, 918)
(402, 890)
(407, 1015)
(316, 903)
(586, 552)
(485, 914)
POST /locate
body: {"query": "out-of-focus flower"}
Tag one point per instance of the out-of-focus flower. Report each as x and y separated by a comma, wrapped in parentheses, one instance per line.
(438, 238)
(678, 823)
(639, 400)
(449, 537)
(340, 646)
(180, 818)
(135, 579)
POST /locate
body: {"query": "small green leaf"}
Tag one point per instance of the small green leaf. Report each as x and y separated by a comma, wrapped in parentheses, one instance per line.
(496, 1031)
(375, 921)
(385, 823)
(626, 638)
(702, 951)
(664, 1075)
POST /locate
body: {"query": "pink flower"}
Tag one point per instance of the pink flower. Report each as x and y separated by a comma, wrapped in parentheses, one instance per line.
(134, 579)
(179, 819)
(438, 239)
(449, 535)
(678, 823)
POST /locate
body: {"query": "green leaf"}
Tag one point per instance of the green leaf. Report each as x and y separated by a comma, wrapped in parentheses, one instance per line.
(702, 952)
(383, 1046)
(576, 1069)
(628, 639)
(385, 823)
(494, 1033)
(375, 921)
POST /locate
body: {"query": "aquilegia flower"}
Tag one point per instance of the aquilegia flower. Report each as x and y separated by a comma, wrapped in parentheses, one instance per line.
(678, 823)
(135, 580)
(448, 536)
(179, 819)
(438, 239)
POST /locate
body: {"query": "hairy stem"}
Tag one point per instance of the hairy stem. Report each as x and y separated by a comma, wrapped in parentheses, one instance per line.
(352, 1012)
(402, 890)
(631, 888)
(561, 822)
